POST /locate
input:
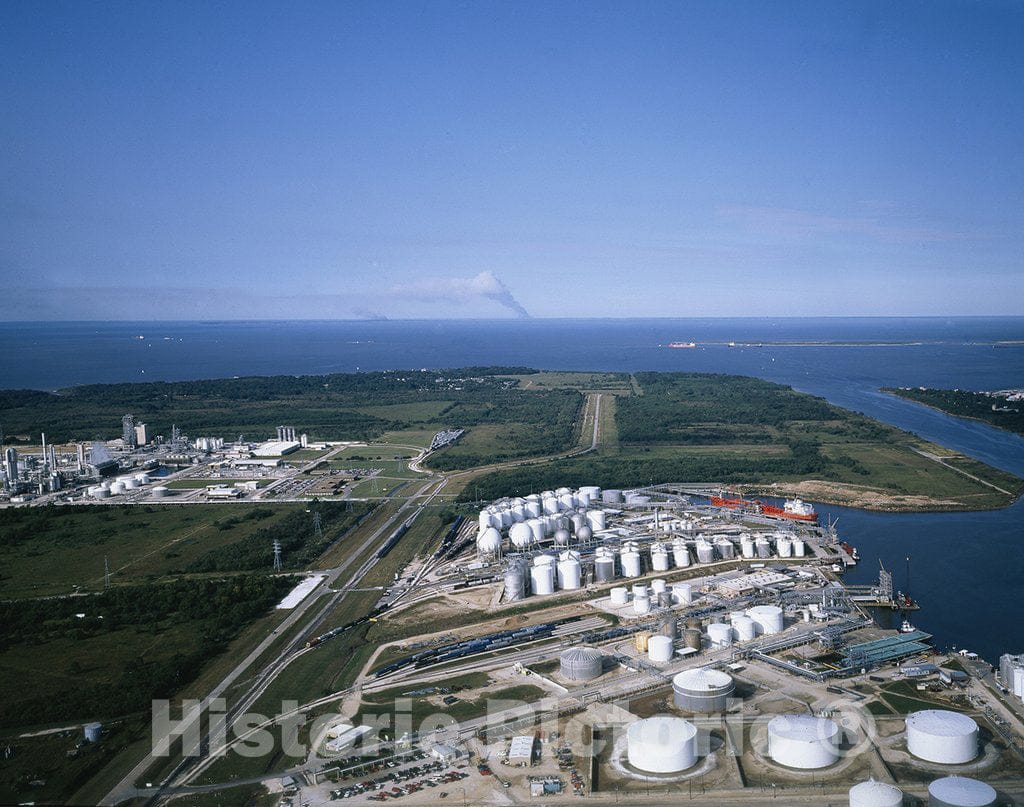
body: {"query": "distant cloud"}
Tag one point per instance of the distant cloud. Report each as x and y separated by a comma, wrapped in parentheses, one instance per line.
(880, 226)
(485, 285)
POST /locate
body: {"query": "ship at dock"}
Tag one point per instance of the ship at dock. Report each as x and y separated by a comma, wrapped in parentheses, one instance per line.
(792, 509)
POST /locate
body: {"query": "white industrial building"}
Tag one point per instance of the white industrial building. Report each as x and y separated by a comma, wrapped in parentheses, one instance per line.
(520, 752)
(276, 448)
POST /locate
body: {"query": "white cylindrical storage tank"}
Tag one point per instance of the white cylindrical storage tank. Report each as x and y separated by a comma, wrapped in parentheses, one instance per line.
(117, 488)
(520, 535)
(550, 505)
(106, 483)
(936, 735)
(747, 547)
(799, 550)
(619, 595)
(506, 518)
(578, 521)
(659, 586)
(784, 547)
(641, 604)
(725, 549)
(488, 542)
(566, 501)
(611, 496)
(536, 529)
(142, 479)
(160, 491)
(702, 690)
(959, 791)
(597, 519)
(705, 551)
(533, 509)
(660, 649)
(542, 579)
(630, 564)
(768, 618)
(592, 491)
(518, 513)
(745, 628)
(720, 634)
(580, 663)
(99, 492)
(803, 741)
(875, 794)
(659, 561)
(640, 590)
(661, 745)
(682, 593)
(681, 554)
(583, 499)
(763, 547)
(569, 574)
(93, 732)
(604, 569)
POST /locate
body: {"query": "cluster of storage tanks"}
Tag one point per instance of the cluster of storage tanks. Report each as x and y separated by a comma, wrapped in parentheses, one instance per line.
(950, 791)
(118, 486)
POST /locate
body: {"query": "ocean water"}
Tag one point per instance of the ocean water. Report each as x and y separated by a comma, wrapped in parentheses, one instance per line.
(967, 570)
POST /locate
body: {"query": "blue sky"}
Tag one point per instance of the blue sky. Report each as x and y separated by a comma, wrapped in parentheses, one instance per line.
(477, 159)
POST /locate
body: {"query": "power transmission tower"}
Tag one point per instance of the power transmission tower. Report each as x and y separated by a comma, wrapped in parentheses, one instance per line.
(106, 572)
(318, 532)
(277, 555)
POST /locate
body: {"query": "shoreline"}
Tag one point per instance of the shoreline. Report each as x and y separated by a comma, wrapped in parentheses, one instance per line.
(889, 391)
(862, 497)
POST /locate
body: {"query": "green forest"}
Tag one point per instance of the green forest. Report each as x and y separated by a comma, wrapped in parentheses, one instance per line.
(984, 406)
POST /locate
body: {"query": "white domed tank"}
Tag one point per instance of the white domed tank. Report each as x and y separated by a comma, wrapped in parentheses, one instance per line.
(799, 548)
(936, 735)
(562, 537)
(720, 634)
(705, 551)
(117, 488)
(659, 559)
(768, 618)
(702, 690)
(611, 496)
(488, 542)
(604, 569)
(681, 554)
(515, 582)
(520, 535)
(661, 744)
(959, 791)
(562, 491)
(542, 579)
(682, 593)
(875, 794)
(763, 547)
(641, 604)
(745, 628)
(584, 533)
(580, 663)
(630, 564)
(660, 649)
(619, 595)
(569, 573)
(597, 519)
(784, 547)
(803, 741)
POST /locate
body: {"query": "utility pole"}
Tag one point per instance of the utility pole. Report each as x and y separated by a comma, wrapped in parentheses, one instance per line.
(106, 573)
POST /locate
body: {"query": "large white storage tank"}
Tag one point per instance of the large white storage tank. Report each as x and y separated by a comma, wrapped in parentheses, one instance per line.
(763, 547)
(659, 559)
(803, 741)
(745, 627)
(660, 649)
(515, 582)
(630, 564)
(661, 744)
(768, 618)
(936, 735)
(117, 488)
(520, 535)
(611, 496)
(569, 573)
(604, 568)
(719, 634)
(641, 604)
(542, 579)
(580, 663)
(959, 791)
(682, 593)
(702, 690)
(705, 551)
(619, 595)
(597, 519)
(488, 542)
(680, 554)
(875, 794)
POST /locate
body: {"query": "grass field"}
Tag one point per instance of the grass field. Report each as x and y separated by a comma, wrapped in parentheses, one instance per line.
(47, 551)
